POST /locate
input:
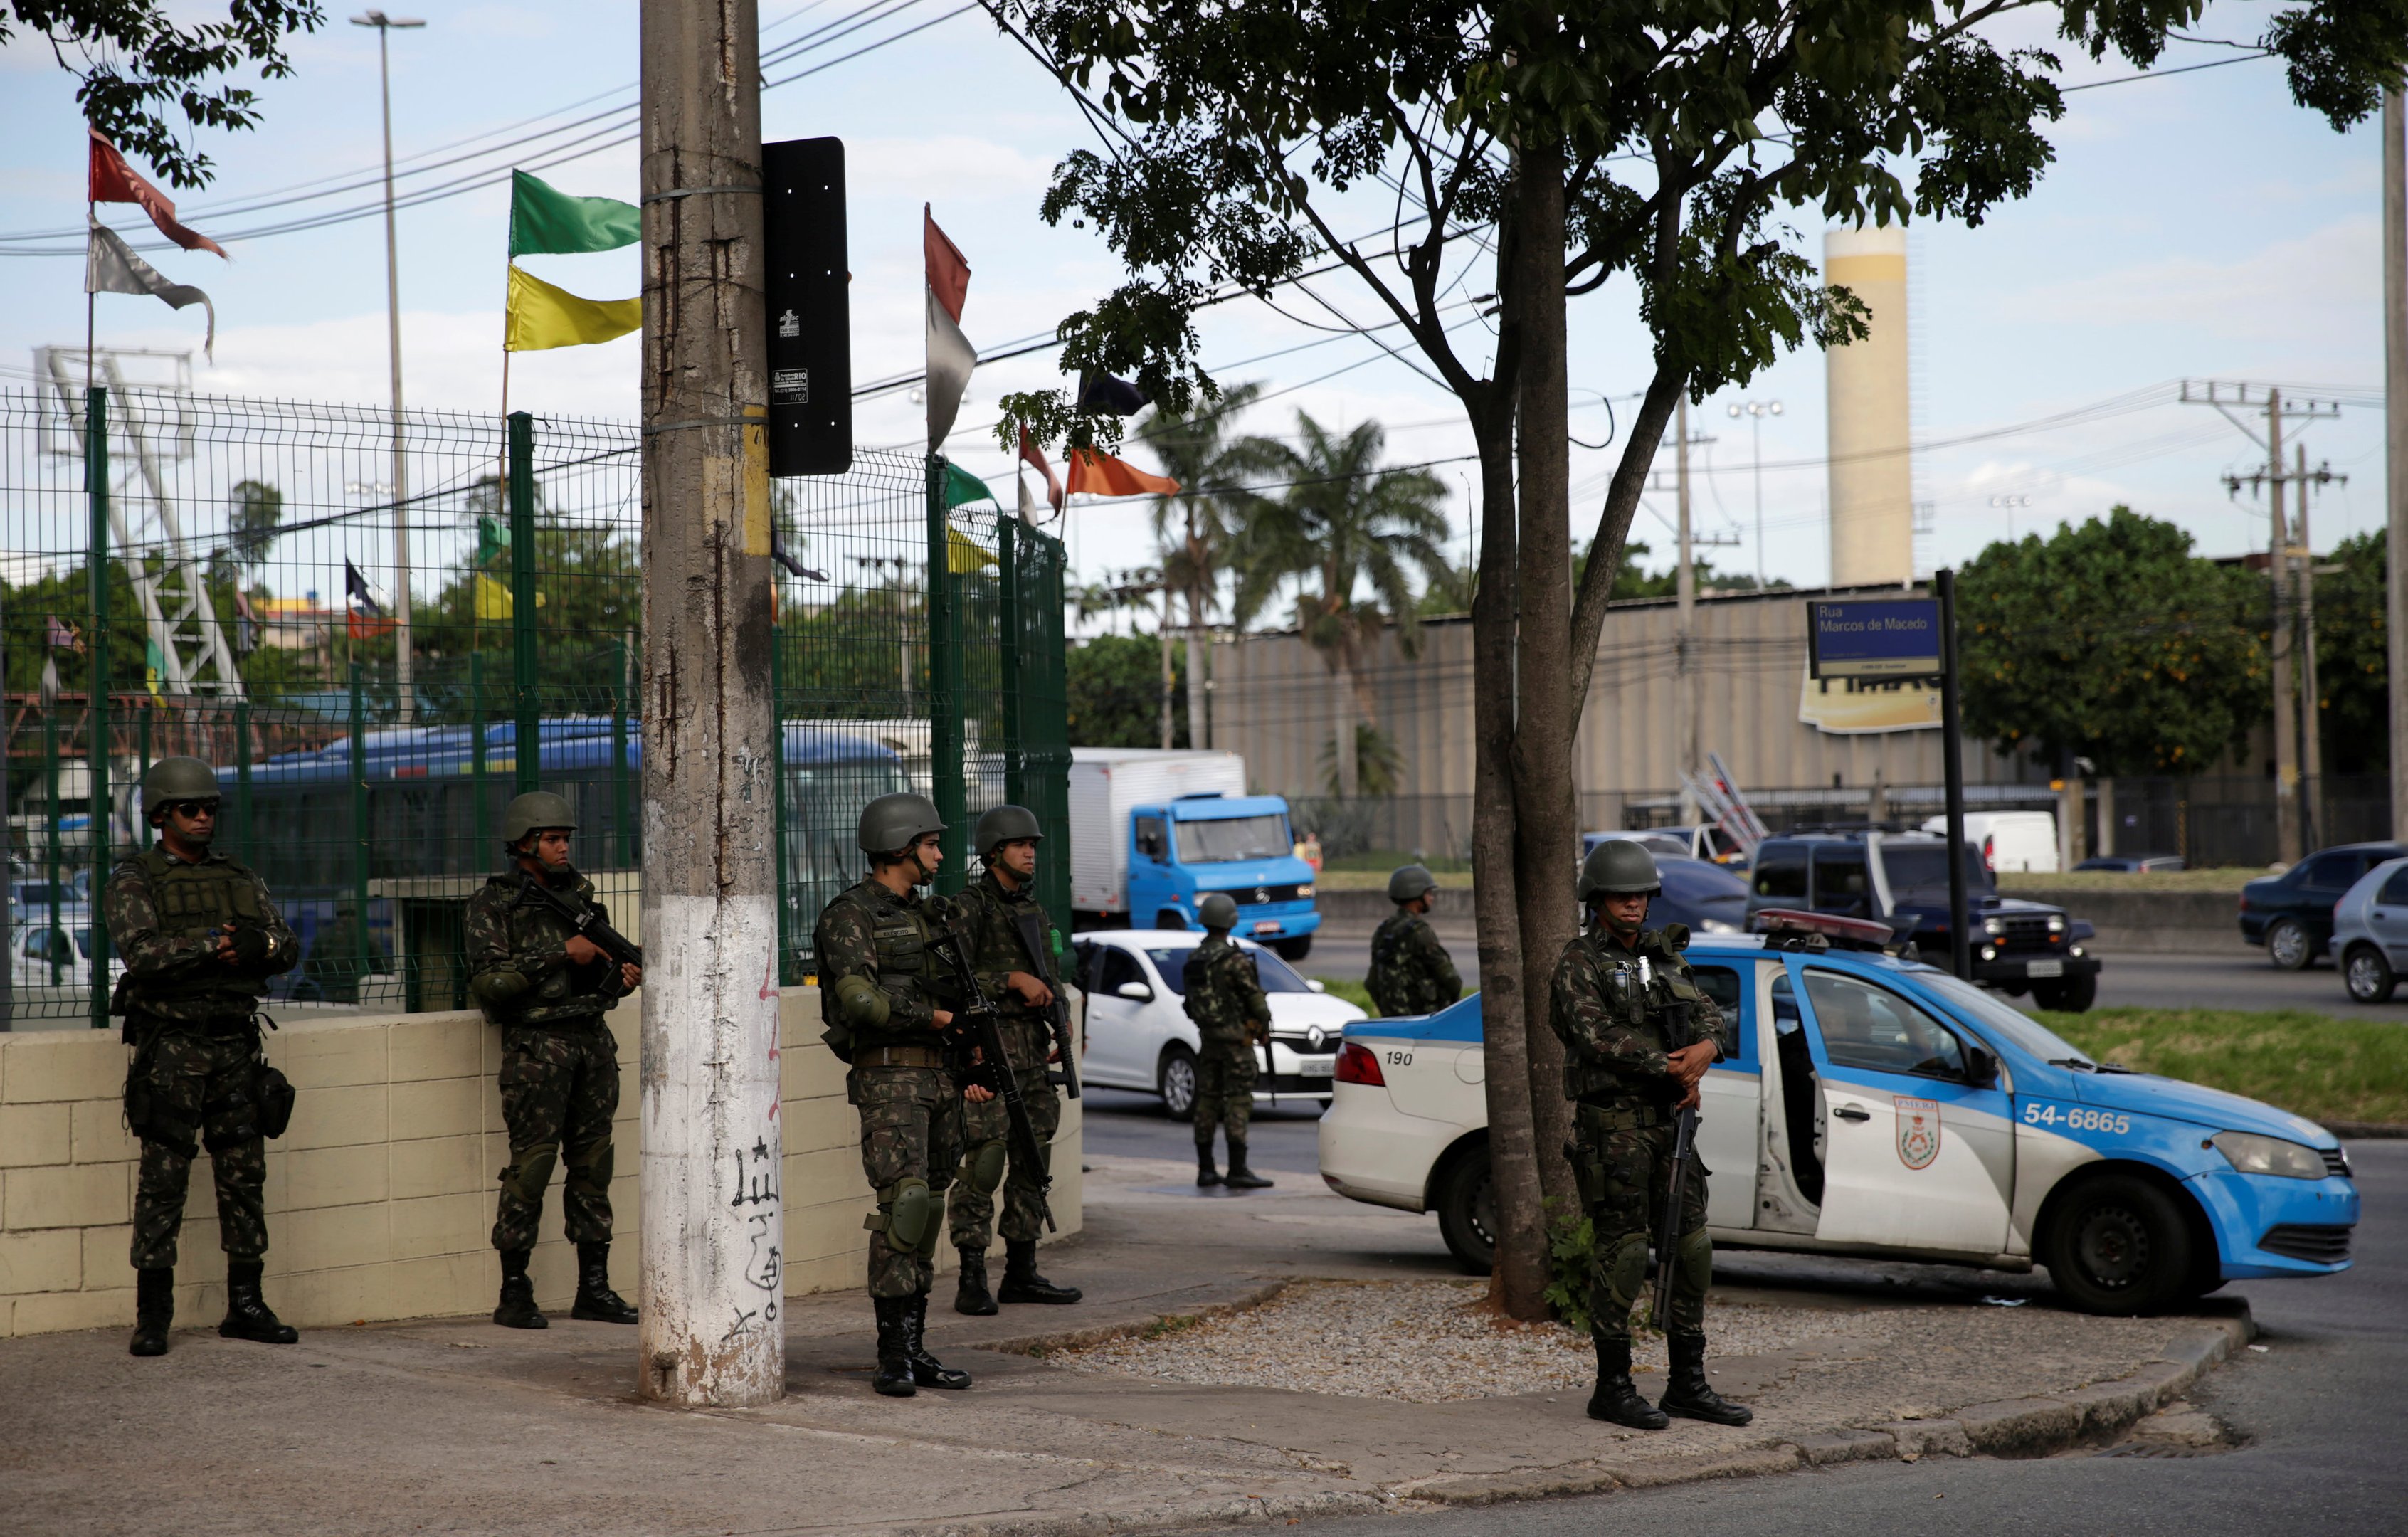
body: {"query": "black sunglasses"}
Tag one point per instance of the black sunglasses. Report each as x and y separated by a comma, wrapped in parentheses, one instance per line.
(189, 808)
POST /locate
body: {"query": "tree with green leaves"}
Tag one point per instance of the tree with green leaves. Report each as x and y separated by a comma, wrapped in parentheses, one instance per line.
(142, 67)
(1196, 529)
(1350, 536)
(2352, 666)
(253, 509)
(1114, 685)
(2110, 640)
(1540, 152)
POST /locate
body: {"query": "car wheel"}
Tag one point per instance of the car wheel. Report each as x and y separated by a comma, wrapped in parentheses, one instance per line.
(2072, 995)
(1295, 949)
(2287, 946)
(1176, 1082)
(2367, 975)
(2118, 1245)
(1467, 1212)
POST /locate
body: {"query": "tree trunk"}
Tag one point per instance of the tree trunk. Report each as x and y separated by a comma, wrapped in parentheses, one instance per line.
(1545, 799)
(1169, 730)
(1200, 725)
(1342, 725)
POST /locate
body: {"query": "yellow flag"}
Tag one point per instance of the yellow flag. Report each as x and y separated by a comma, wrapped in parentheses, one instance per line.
(964, 555)
(541, 316)
(492, 599)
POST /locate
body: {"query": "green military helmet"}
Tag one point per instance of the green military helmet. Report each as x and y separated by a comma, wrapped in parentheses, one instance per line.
(1618, 867)
(897, 822)
(1218, 910)
(1409, 882)
(533, 811)
(175, 778)
(1004, 825)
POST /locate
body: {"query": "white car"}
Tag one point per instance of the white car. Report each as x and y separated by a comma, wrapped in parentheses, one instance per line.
(1139, 1037)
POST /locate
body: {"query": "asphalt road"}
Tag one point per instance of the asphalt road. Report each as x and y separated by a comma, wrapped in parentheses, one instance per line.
(2315, 1413)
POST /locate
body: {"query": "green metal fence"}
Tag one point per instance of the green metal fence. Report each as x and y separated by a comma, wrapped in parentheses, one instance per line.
(227, 579)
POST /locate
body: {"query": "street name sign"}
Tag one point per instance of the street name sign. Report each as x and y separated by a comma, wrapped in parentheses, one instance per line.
(1875, 638)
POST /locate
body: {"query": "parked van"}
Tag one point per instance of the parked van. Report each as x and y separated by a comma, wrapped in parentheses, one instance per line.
(2010, 841)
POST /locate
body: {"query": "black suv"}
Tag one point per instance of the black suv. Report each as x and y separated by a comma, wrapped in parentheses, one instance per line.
(1901, 879)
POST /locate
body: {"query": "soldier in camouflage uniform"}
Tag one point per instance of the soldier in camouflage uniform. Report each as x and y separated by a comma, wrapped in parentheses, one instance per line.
(1412, 973)
(548, 988)
(1619, 1000)
(1225, 998)
(1000, 914)
(200, 937)
(886, 1007)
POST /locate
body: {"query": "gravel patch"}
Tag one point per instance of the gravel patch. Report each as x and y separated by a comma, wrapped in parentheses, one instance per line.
(1424, 1342)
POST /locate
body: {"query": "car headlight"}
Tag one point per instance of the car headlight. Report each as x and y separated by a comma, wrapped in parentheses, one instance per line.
(2253, 1155)
(1993, 926)
(2056, 923)
(1717, 925)
(1988, 953)
(1304, 892)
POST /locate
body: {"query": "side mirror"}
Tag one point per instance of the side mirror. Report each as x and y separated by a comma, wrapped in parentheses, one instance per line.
(1135, 991)
(1316, 984)
(1980, 1067)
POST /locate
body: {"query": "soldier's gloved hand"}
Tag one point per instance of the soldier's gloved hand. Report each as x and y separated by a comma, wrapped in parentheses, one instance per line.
(226, 951)
(250, 947)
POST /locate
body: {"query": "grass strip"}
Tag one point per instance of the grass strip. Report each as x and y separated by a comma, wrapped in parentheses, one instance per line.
(2309, 1064)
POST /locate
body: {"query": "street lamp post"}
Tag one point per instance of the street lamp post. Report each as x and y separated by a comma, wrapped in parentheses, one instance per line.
(1756, 412)
(404, 692)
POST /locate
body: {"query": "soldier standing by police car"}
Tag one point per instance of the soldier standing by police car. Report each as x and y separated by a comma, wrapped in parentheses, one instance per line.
(1003, 920)
(1412, 973)
(1637, 1038)
(1225, 998)
(200, 937)
(884, 1002)
(548, 988)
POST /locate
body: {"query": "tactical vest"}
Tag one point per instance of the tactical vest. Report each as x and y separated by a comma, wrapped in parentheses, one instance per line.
(1639, 1006)
(901, 933)
(192, 900)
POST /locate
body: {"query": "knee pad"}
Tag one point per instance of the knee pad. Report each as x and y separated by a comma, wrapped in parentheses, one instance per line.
(982, 1169)
(591, 1166)
(1693, 1262)
(935, 1230)
(530, 1172)
(910, 1213)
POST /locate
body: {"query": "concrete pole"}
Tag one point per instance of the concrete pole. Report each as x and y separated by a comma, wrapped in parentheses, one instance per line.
(405, 691)
(2287, 715)
(1684, 588)
(712, 1330)
(2312, 742)
(2395, 410)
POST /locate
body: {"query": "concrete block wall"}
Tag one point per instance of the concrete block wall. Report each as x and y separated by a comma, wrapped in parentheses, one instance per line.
(380, 1194)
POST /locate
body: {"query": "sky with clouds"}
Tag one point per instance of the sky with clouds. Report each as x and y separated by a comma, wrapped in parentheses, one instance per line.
(2196, 225)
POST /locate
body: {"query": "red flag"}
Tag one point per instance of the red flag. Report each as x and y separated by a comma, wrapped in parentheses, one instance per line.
(113, 181)
(1031, 455)
(1101, 475)
(949, 270)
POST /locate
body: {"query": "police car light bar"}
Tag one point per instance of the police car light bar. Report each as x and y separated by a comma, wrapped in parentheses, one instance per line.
(1838, 931)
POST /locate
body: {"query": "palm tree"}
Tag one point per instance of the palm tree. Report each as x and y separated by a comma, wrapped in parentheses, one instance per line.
(1347, 526)
(1196, 529)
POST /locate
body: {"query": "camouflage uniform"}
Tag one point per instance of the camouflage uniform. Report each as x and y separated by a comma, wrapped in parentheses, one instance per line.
(560, 1063)
(189, 1015)
(902, 1078)
(1223, 995)
(991, 914)
(1412, 973)
(1623, 1091)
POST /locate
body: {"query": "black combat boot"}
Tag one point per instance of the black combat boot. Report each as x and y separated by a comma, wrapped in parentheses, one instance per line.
(248, 1315)
(1686, 1392)
(926, 1370)
(1242, 1177)
(154, 1309)
(1207, 1174)
(970, 1295)
(1021, 1281)
(596, 1301)
(518, 1309)
(894, 1378)
(1616, 1400)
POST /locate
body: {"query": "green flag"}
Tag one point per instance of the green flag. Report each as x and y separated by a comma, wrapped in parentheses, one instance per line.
(962, 488)
(547, 222)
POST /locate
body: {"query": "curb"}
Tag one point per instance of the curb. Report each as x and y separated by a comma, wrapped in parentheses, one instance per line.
(1096, 1334)
(1248, 1510)
(2366, 1129)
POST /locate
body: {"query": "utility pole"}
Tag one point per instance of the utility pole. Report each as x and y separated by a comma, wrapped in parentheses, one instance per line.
(2303, 571)
(1684, 589)
(2395, 414)
(2286, 717)
(405, 691)
(713, 1330)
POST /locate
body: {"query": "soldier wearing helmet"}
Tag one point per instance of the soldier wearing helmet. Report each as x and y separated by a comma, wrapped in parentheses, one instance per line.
(1225, 998)
(549, 987)
(200, 937)
(1638, 1037)
(1013, 949)
(1412, 973)
(886, 1012)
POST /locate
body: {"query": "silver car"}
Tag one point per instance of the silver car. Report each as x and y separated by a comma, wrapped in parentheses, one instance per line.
(2371, 932)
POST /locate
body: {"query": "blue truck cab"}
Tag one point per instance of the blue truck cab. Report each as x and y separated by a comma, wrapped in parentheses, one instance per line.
(1180, 850)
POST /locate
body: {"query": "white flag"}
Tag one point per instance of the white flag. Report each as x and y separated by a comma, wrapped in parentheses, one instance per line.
(110, 267)
(951, 357)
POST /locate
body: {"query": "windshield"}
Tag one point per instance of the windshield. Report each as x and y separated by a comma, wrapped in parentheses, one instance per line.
(1229, 838)
(2028, 1033)
(1921, 866)
(1276, 975)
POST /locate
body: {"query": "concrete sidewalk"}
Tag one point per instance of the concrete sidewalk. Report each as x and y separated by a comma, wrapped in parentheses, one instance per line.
(458, 1425)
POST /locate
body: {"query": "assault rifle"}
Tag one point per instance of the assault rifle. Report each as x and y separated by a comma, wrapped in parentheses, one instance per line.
(976, 1020)
(1031, 930)
(1679, 1031)
(583, 920)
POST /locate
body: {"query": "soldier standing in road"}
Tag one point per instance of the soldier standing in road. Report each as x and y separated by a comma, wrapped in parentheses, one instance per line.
(1412, 973)
(882, 997)
(1010, 947)
(200, 937)
(1619, 991)
(1225, 998)
(548, 988)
